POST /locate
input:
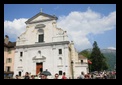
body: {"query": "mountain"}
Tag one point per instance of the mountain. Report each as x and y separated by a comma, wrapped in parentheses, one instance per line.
(110, 55)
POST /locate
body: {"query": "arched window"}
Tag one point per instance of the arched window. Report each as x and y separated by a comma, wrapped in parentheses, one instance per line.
(41, 38)
(40, 33)
(81, 61)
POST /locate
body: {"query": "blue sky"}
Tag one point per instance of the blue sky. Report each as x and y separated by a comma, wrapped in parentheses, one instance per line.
(97, 22)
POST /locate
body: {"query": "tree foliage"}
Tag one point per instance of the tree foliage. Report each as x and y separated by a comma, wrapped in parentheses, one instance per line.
(98, 59)
(85, 53)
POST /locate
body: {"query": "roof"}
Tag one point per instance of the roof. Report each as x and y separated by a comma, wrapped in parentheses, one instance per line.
(52, 17)
(81, 57)
(11, 72)
(10, 44)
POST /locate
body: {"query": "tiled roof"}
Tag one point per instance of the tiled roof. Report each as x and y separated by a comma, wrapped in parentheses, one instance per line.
(81, 57)
(10, 44)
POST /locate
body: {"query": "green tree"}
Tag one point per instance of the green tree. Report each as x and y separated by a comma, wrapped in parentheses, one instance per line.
(97, 58)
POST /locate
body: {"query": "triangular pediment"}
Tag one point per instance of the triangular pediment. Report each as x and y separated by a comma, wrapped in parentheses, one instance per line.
(40, 17)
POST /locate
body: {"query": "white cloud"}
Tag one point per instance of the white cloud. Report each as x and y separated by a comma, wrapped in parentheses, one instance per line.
(113, 48)
(14, 28)
(81, 24)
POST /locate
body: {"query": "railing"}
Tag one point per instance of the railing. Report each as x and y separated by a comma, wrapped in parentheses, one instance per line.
(79, 64)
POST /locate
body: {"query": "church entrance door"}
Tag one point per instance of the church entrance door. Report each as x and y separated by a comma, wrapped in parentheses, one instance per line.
(39, 67)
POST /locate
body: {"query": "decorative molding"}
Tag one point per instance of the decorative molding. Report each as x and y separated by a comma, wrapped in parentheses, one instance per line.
(80, 63)
(54, 23)
(25, 51)
(43, 14)
(81, 66)
(60, 66)
(27, 26)
(60, 54)
(40, 31)
(43, 58)
(40, 42)
(65, 47)
(40, 21)
(39, 52)
(20, 67)
(53, 48)
(60, 58)
(37, 44)
(38, 61)
(21, 60)
(40, 26)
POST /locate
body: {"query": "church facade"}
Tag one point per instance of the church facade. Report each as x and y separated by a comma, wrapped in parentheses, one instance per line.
(44, 46)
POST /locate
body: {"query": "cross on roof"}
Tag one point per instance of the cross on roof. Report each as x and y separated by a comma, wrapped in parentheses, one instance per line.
(41, 9)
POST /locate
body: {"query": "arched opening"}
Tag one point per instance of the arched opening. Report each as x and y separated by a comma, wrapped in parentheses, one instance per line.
(19, 73)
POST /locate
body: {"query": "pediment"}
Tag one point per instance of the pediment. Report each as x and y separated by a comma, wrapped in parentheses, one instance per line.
(37, 58)
(40, 17)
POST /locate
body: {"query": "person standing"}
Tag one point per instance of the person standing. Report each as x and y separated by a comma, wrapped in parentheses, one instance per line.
(82, 76)
(27, 75)
(17, 77)
(56, 76)
(64, 76)
(32, 77)
(45, 76)
(42, 76)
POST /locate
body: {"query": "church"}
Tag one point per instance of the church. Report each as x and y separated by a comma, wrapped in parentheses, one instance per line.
(44, 46)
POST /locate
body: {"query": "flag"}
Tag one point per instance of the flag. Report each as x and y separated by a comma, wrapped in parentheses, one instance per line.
(89, 62)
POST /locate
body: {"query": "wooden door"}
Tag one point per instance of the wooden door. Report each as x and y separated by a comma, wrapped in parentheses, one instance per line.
(38, 67)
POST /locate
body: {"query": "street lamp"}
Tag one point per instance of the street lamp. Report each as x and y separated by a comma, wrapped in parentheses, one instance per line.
(72, 69)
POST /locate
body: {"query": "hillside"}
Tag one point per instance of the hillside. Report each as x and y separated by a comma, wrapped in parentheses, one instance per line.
(110, 55)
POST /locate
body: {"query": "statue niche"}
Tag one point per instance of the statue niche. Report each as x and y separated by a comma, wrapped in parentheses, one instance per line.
(39, 56)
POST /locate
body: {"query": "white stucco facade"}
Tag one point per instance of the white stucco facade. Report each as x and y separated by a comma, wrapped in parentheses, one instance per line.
(78, 67)
(30, 51)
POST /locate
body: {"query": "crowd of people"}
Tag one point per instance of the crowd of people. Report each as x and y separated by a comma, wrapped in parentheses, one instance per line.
(98, 75)
(41, 76)
(91, 75)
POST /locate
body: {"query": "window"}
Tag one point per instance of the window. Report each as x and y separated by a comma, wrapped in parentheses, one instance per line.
(8, 68)
(21, 54)
(60, 72)
(9, 60)
(81, 61)
(19, 73)
(9, 50)
(60, 61)
(60, 51)
(41, 37)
